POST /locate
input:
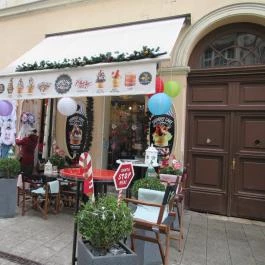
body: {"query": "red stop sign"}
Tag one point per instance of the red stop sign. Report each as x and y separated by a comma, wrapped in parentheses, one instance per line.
(123, 176)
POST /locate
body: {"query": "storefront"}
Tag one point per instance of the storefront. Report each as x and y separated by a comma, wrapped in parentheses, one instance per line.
(203, 104)
(80, 65)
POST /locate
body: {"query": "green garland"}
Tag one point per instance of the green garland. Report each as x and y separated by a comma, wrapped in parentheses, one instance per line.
(102, 58)
(90, 122)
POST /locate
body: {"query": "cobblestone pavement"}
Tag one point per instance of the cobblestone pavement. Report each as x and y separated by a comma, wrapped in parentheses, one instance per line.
(209, 240)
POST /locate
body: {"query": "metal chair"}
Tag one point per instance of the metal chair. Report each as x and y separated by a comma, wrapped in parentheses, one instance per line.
(153, 214)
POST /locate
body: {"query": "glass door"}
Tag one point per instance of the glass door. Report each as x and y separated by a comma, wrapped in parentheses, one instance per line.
(128, 129)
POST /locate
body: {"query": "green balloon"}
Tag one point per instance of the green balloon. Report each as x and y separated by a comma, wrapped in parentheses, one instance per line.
(172, 88)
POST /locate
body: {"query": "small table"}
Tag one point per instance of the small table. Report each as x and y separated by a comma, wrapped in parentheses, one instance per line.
(139, 166)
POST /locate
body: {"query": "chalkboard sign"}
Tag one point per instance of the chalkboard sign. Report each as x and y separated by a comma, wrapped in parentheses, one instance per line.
(76, 132)
(162, 135)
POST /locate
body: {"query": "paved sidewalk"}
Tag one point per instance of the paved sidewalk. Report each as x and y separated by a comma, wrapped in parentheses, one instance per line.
(209, 240)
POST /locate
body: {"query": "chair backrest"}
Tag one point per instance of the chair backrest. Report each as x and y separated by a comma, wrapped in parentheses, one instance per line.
(173, 180)
(170, 193)
(156, 214)
(54, 186)
(153, 196)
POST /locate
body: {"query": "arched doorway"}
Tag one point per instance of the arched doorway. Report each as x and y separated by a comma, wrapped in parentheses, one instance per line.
(225, 139)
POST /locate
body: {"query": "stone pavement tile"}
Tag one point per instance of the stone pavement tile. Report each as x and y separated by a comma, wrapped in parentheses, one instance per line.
(25, 248)
(217, 247)
(62, 257)
(256, 240)
(60, 242)
(6, 262)
(195, 244)
(41, 253)
(240, 251)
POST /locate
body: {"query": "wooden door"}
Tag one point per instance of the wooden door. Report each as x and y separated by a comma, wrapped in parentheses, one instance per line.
(225, 143)
(247, 198)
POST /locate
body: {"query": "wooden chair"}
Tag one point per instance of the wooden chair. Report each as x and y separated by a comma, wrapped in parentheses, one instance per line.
(153, 214)
(47, 197)
(25, 185)
(178, 204)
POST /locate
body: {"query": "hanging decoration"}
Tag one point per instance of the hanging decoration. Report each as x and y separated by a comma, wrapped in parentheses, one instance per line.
(6, 108)
(159, 103)
(172, 88)
(67, 106)
(159, 85)
(108, 57)
(90, 122)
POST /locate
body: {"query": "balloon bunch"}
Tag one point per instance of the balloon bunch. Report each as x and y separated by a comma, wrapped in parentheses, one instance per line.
(6, 107)
(160, 102)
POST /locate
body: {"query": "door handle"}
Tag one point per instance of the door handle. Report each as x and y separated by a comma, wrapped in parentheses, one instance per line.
(233, 164)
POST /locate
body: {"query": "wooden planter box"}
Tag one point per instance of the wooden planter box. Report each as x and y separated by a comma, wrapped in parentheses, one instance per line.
(84, 257)
(8, 197)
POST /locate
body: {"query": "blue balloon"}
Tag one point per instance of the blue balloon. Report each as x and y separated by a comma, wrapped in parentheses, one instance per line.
(159, 103)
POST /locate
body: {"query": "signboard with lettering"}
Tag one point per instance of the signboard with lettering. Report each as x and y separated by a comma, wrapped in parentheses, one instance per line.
(123, 176)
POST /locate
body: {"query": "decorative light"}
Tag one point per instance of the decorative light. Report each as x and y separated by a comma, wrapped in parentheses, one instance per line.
(67, 106)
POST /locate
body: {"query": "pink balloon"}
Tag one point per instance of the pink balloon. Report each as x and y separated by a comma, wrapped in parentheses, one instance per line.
(6, 108)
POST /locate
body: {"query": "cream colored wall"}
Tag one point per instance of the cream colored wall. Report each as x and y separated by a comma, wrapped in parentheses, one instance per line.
(20, 33)
(23, 31)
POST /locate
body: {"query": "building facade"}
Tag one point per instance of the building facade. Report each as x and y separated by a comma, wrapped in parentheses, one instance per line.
(219, 59)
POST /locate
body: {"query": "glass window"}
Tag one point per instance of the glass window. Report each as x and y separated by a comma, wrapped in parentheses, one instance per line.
(234, 49)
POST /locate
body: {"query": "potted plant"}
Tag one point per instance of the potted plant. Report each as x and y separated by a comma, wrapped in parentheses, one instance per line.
(9, 170)
(57, 160)
(151, 183)
(170, 170)
(103, 224)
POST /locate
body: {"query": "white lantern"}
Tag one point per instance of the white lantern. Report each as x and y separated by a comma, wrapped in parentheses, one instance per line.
(151, 155)
(48, 168)
(67, 106)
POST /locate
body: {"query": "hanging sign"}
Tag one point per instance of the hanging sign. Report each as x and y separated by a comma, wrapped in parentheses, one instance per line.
(162, 135)
(76, 132)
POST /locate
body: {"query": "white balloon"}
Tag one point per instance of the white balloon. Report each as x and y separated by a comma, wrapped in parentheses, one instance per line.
(67, 106)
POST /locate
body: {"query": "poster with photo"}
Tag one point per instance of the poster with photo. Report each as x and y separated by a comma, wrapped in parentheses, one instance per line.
(76, 131)
(8, 131)
(162, 130)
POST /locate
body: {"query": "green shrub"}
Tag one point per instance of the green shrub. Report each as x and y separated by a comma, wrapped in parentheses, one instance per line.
(9, 167)
(150, 183)
(104, 223)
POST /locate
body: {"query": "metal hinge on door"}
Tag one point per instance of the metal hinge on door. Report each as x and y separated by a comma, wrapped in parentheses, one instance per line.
(233, 164)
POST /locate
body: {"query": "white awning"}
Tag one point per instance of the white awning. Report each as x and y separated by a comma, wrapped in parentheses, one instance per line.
(83, 81)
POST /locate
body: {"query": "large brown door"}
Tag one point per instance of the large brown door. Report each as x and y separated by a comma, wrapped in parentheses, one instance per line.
(225, 143)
